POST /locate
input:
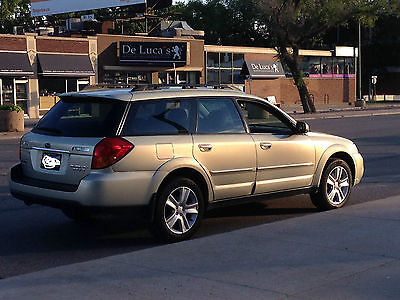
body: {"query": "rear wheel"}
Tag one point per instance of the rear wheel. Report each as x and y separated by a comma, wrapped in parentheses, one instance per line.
(179, 210)
(335, 186)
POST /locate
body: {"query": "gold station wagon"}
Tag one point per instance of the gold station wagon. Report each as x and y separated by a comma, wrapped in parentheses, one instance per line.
(170, 153)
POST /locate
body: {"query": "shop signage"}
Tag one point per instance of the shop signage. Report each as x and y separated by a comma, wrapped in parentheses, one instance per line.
(264, 69)
(52, 7)
(148, 52)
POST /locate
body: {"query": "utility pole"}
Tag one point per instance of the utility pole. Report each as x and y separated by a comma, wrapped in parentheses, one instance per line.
(359, 61)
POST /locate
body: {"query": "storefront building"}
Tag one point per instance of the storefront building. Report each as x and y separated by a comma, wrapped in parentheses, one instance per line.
(330, 79)
(15, 71)
(141, 60)
(34, 70)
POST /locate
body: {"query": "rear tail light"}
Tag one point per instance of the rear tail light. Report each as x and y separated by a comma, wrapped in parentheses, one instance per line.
(110, 150)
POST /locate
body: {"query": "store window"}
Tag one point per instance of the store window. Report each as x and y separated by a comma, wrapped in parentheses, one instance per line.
(51, 87)
(123, 77)
(179, 77)
(7, 90)
(224, 68)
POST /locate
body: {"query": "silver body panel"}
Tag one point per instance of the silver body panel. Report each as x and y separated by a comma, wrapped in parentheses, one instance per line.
(232, 165)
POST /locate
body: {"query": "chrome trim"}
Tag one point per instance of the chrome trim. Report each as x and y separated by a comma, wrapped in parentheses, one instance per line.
(123, 119)
(278, 180)
(286, 166)
(51, 150)
(231, 171)
(233, 186)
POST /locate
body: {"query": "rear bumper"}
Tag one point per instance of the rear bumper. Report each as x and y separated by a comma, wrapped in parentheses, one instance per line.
(97, 191)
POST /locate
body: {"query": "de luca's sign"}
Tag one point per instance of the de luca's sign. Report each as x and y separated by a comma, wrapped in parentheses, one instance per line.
(263, 69)
(52, 7)
(153, 52)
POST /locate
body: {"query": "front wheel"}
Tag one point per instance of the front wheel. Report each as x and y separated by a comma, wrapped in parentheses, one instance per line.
(335, 186)
(179, 210)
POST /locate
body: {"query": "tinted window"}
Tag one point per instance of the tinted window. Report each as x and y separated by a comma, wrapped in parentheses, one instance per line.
(82, 117)
(262, 118)
(160, 117)
(218, 115)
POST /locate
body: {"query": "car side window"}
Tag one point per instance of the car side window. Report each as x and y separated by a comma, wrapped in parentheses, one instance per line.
(263, 119)
(160, 117)
(218, 115)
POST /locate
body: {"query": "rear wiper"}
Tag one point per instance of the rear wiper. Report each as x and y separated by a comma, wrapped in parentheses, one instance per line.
(49, 129)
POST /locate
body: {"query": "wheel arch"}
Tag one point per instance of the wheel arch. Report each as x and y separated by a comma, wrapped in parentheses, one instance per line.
(189, 173)
(182, 167)
(330, 154)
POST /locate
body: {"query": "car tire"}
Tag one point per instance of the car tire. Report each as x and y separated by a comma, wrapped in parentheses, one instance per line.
(179, 210)
(335, 186)
(77, 215)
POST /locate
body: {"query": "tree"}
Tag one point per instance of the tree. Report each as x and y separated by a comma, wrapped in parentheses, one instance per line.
(224, 22)
(14, 13)
(294, 24)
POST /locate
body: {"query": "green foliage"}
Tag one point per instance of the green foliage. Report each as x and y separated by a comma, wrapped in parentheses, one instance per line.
(14, 13)
(225, 22)
(10, 107)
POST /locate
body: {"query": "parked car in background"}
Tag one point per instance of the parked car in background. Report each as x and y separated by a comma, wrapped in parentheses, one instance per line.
(171, 153)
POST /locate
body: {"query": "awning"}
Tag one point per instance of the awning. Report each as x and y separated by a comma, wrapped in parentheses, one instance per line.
(258, 69)
(65, 65)
(15, 64)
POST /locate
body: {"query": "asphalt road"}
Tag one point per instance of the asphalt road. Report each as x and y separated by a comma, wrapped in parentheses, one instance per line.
(35, 238)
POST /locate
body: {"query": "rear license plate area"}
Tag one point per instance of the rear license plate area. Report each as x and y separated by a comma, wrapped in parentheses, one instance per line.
(51, 161)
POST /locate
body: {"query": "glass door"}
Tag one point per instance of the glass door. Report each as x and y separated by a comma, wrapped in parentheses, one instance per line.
(21, 94)
(7, 91)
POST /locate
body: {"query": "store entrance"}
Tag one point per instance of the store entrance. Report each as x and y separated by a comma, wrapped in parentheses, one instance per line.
(14, 91)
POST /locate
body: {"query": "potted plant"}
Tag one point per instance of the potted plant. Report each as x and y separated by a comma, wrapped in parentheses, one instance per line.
(11, 118)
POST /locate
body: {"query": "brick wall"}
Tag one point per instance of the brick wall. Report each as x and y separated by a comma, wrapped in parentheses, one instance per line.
(62, 46)
(323, 91)
(12, 43)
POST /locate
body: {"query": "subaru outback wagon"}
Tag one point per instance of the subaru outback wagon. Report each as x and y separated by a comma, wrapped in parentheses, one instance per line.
(172, 153)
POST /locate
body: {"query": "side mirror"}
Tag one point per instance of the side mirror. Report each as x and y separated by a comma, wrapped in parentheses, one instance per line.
(302, 127)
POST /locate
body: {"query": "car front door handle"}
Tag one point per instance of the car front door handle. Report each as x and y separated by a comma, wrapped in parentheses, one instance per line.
(205, 147)
(265, 145)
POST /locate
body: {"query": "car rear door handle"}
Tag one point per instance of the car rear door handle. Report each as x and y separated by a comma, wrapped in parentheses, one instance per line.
(265, 145)
(205, 147)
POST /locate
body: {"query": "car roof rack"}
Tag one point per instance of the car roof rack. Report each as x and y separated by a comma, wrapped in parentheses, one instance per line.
(154, 87)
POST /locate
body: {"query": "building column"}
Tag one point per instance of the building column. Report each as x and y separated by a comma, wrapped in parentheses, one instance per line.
(94, 59)
(33, 82)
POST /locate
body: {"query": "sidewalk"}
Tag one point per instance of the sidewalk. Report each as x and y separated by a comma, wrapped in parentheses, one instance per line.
(351, 253)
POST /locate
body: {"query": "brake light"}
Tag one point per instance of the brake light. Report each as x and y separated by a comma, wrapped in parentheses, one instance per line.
(110, 150)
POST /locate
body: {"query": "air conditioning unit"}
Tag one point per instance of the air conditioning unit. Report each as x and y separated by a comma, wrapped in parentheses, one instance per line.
(19, 30)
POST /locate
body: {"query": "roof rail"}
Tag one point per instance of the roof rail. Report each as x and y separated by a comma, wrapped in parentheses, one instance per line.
(152, 87)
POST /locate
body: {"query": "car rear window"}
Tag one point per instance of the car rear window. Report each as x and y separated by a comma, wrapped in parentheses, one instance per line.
(82, 117)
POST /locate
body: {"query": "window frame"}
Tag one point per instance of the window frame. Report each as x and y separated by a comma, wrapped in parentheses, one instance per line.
(291, 123)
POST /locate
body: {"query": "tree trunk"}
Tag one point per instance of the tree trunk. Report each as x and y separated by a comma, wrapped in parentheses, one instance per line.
(290, 59)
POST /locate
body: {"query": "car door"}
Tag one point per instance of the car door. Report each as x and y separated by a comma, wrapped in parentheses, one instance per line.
(224, 148)
(285, 159)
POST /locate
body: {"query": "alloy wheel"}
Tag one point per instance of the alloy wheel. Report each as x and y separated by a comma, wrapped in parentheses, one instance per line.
(181, 210)
(337, 185)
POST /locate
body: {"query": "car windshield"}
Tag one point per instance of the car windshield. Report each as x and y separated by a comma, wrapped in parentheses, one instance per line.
(82, 117)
